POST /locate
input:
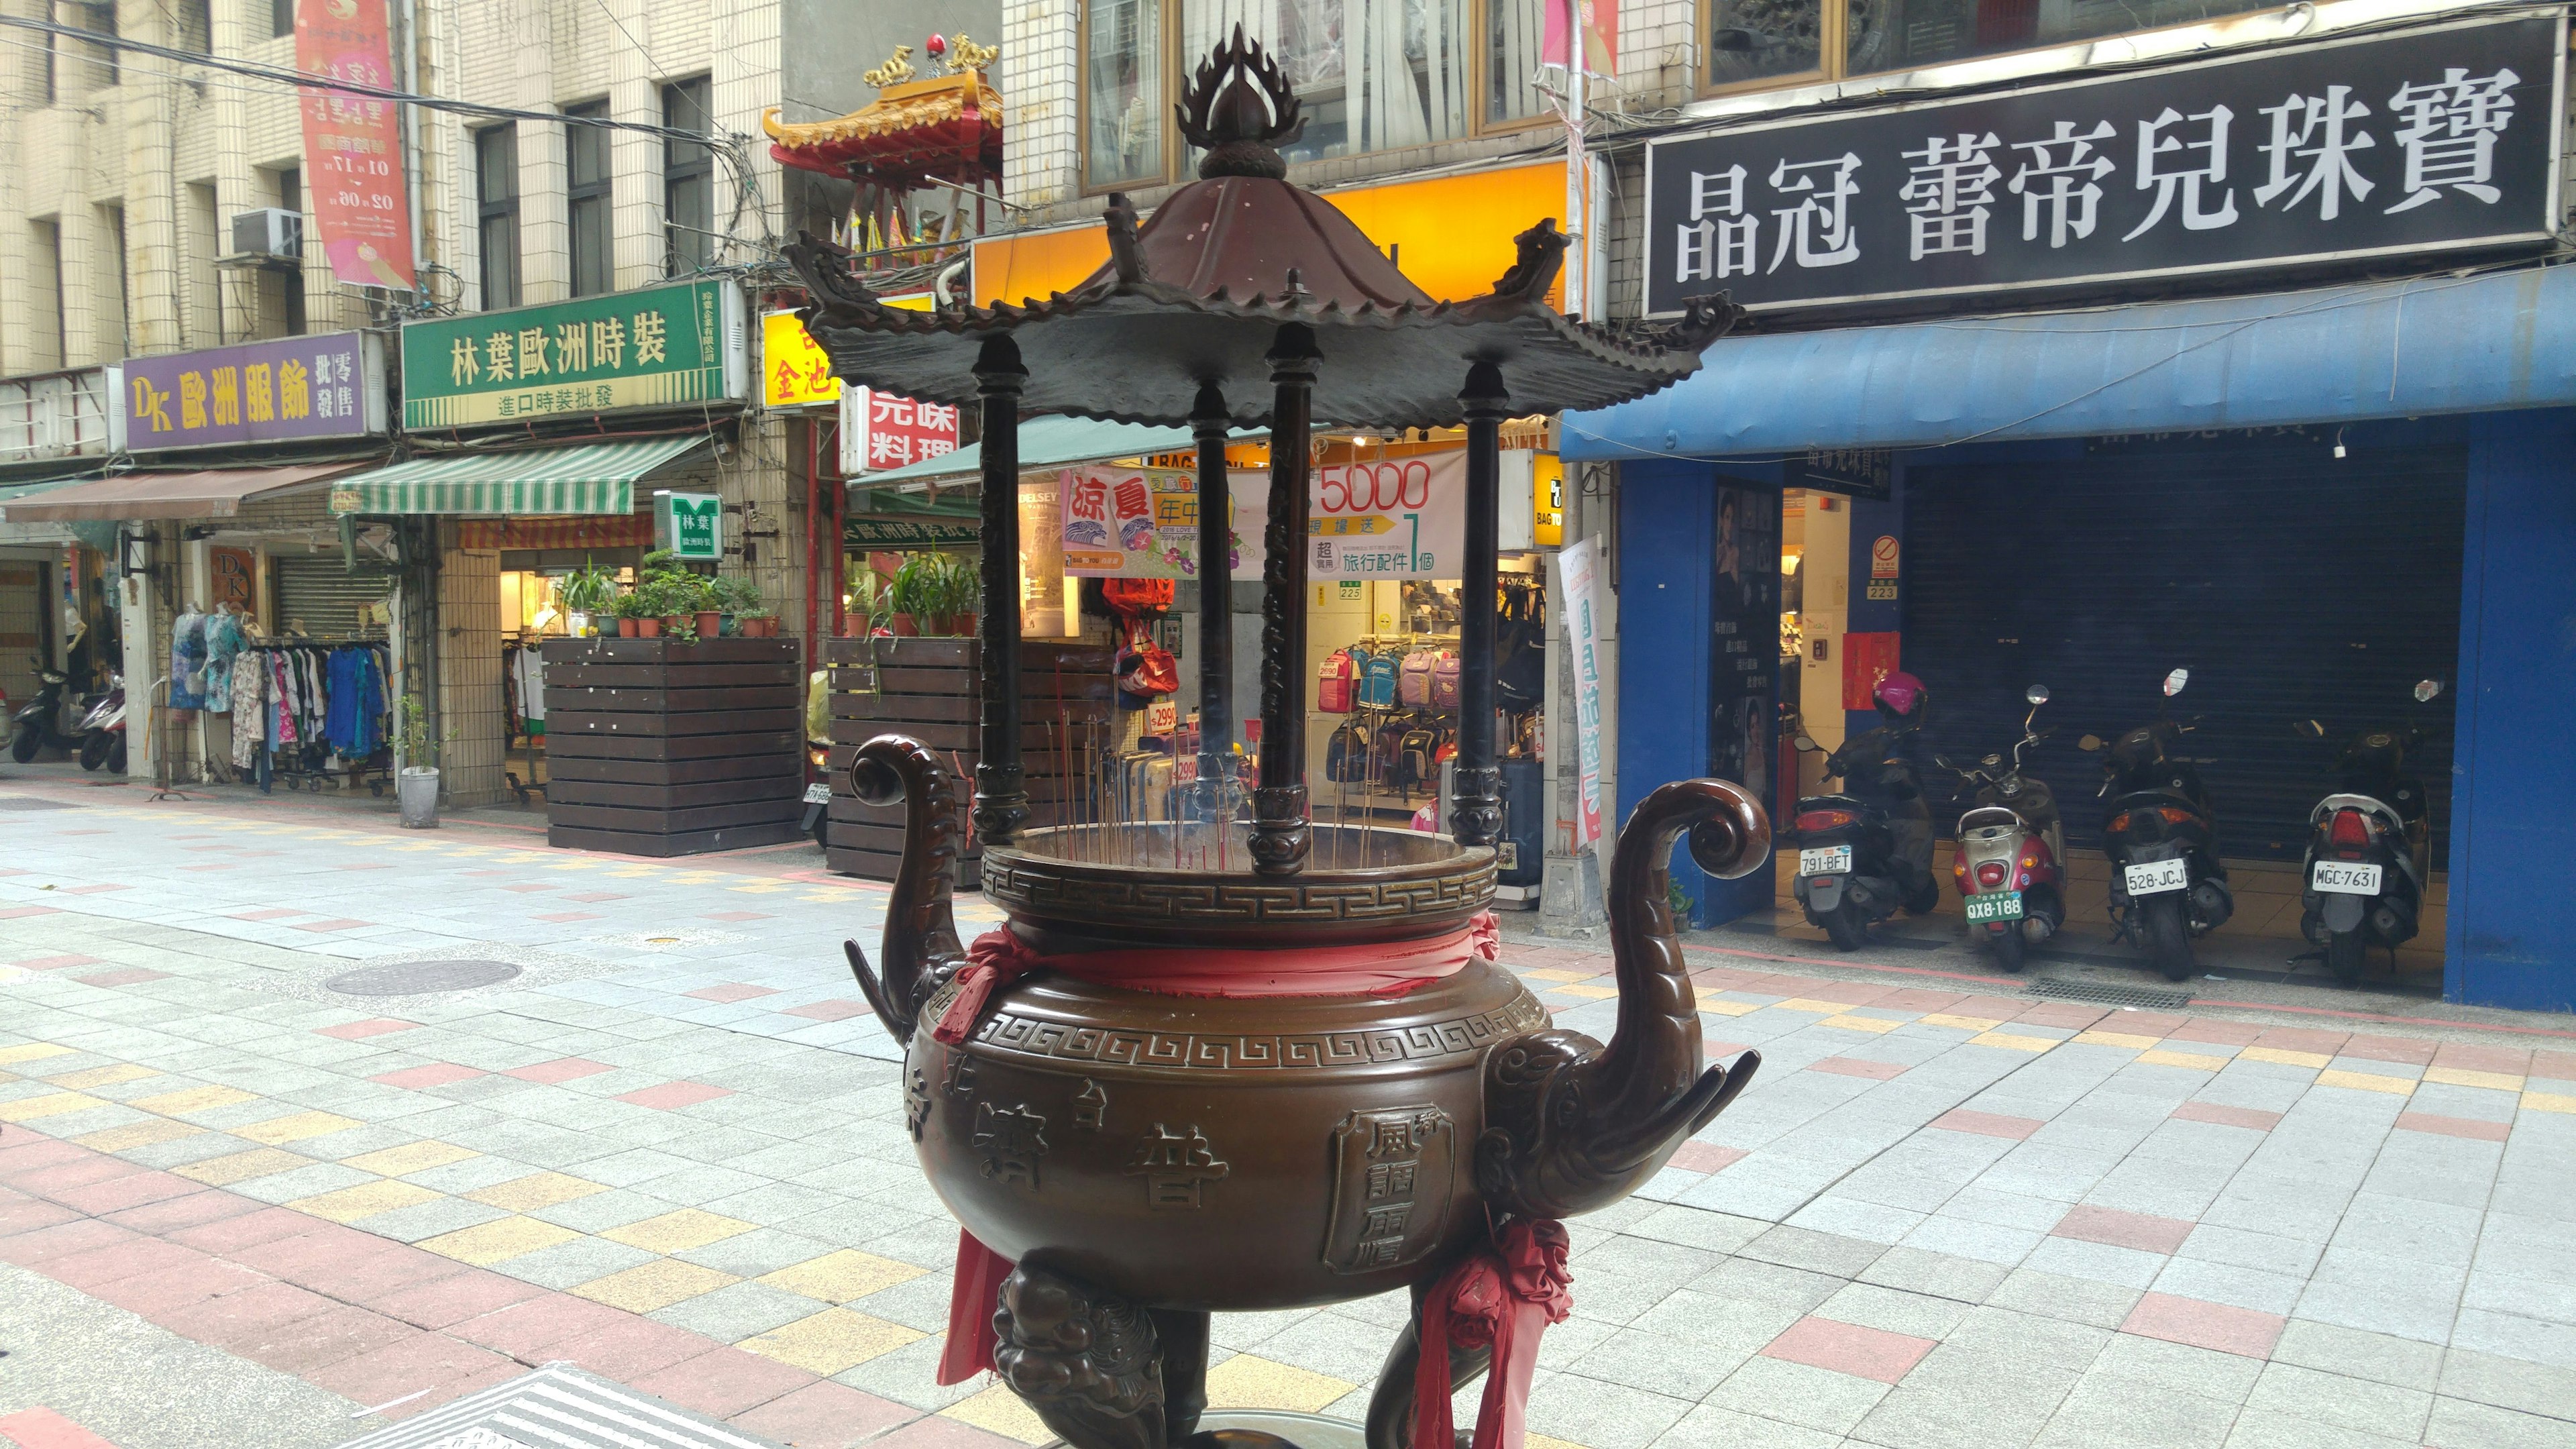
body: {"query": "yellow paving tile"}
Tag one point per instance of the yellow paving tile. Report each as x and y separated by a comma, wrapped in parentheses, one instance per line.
(2013, 1042)
(101, 1077)
(2285, 1058)
(34, 1051)
(842, 1276)
(411, 1157)
(657, 1284)
(278, 1130)
(2118, 1039)
(2368, 1082)
(367, 1199)
(487, 1243)
(1536, 973)
(830, 1342)
(192, 1099)
(527, 1194)
(1247, 1382)
(2548, 1102)
(52, 1104)
(1863, 1023)
(766, 888)
(1821, 1008)
(1000, 1411)
(1963, 1023)
(2193, 1060)
(2456, 1077)
(1588, 993)
(241, 1166)
(1720, 1006)
(1541, 1441)
(679, 1232)
(137, 1134)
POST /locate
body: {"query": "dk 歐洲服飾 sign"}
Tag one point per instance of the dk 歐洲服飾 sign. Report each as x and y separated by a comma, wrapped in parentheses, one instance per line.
(658, 347)
(2433, 140)
(284, 390)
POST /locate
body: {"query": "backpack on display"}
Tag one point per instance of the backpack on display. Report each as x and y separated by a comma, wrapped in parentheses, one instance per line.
(1333, 680)
(1414, 691)
(1444, 682)
(1416, 764)
(1377, 679)
(1388, 751)
(1346, 758)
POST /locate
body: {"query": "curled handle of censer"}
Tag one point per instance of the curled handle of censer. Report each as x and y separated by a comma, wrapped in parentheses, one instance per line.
(920, 949)
(1502, 1296)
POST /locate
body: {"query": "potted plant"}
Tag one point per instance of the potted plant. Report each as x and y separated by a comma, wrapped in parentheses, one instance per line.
(738, 598)
(760, 624)
(587, 593)
(963, 589)
(910, 594)
(418, 747)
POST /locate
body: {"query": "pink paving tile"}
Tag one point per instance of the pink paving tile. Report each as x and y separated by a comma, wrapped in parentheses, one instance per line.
(251, 1311)
(525, 1329)
(2218, 1033)
(834, 1010)
(360, 1030)
(564, 916)
(390, 1274)
(724, 1382)
(42, 1428)
(595, 897)
(2121, 1229)
(561, 1069)
(231, 1235)
(2226, 1116)
(827, 1415)
(421, 1361)
(1917, 999)
(627, 1351)
(1996, 1008)
(22, 1148)
(20, 913)
(1725, 1051)
(454, 1389)
(2063, 1013)
(527, 886)
(169, 1215)
(2146, 1023)
(2302, 1039)
(139, 1189)
(671, 1095)
(26, 1214)
(272, 913)
(447, 1302)
(343, 924)
(1987, 1124)
(36, 1249)
(737, 915)
(317, 1257)
(327, 1338)
(733, 991)
(2408, 1050)
(124, 976)
(2461, 1056)
(93, 889)
(156, 1295)
(54, 1178)
(2556, 1066)
(2453, 1126)
(101, 1266)
(1856, 1067)
(1706, 1157)
(1848, 1348)
(57, 963)
(436, 1074)
(2240, 1331)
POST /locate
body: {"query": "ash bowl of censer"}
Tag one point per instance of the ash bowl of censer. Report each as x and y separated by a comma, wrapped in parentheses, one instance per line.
(1222, 1065)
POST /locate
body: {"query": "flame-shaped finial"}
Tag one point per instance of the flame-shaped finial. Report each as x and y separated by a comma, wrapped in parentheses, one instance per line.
(1240, 107)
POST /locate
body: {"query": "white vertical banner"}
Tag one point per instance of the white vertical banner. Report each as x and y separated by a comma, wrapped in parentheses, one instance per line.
(1578, 583)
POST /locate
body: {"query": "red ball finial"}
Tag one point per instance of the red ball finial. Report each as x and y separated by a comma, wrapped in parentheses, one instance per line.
(937, 45)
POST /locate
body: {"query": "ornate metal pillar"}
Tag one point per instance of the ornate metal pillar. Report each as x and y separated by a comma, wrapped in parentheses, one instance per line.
(1280, 839)
(1476, 813)
(1001, 792)
(1216, 602)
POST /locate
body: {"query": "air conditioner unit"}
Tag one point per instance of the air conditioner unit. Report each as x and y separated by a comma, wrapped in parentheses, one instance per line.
(269, 231)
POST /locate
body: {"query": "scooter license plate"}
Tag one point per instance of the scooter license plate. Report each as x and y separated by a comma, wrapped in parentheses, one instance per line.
(2155, 877)
(1826, 860)
(2000, 906)
(818, 793)
(2345, 878)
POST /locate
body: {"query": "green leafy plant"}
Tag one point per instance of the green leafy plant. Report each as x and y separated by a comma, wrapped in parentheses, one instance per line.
(589, 590)
(735, 594)
(912, 591)
(956, 586)
(415, 743)
(669, 588)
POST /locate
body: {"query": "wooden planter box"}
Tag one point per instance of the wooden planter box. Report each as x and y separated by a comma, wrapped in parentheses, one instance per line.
(655, 747)
(927, 688)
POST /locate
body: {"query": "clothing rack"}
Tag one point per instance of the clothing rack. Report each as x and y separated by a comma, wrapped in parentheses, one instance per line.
(303, 762)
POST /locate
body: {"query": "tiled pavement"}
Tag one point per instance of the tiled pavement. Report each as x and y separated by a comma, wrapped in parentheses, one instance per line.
(1938, 1217)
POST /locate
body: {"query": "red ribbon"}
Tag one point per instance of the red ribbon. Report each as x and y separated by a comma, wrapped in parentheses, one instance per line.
(1502, 1296)
(999, 957)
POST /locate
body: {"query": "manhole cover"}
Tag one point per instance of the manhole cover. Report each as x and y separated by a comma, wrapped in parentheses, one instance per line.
(30, 802)
(415, 978)
(2143, 997)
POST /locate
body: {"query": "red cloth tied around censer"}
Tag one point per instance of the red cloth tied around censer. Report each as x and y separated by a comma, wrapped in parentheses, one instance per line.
(1501, 1296)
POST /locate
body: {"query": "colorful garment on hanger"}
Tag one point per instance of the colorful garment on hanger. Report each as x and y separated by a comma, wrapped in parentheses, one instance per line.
(354, 703)
(224, 644)
(281, 729)
(188, 661)
(248, 705)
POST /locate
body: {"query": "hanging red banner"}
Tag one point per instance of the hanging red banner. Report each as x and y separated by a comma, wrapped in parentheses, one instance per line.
(353, 162)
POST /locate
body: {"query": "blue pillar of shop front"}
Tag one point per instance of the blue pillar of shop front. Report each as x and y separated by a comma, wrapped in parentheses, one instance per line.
(1871, 520)
(1666, 546)
(2512, 919)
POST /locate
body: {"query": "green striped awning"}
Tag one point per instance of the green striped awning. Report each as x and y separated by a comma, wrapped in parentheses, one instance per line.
(589, 478)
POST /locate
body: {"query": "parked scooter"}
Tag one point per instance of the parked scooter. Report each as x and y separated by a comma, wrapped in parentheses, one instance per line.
(103, 729)
(43, 722)
(818, 758)
(2369, 847)
(2167, 884)
(2010, 860)
(1850, 873)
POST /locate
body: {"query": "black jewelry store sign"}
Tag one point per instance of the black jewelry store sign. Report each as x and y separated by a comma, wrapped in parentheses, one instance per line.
(2431, 140)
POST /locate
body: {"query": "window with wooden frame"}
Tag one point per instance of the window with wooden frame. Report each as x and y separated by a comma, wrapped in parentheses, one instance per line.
(1756, 44)
(1371, 75)
(586, 200)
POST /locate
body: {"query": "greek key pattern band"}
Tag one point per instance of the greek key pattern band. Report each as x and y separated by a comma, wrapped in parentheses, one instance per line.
(1056, 1041)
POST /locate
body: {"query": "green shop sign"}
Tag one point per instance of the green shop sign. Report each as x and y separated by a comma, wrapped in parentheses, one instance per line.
(689, 525)
(660, 347)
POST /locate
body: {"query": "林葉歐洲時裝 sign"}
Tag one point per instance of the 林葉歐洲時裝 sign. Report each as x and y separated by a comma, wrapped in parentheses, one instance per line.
(658, 347)
(2432, 140)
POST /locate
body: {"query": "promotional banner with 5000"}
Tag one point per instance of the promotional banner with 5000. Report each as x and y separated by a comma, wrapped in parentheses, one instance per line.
(1396, 518)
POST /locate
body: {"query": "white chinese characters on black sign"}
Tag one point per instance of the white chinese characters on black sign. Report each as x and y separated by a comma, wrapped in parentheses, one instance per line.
(2431, 140)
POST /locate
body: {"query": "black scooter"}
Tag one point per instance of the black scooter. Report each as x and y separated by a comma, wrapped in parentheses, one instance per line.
(2167, 884)
(40, 724)
(2369, 848)
(818, 769)
(1849, 873)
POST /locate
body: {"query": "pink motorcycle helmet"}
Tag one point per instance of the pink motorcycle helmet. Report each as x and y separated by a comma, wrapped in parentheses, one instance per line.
(1901, 698)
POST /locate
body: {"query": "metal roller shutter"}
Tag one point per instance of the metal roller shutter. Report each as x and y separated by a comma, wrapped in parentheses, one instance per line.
(2291, 583)
(316, 593)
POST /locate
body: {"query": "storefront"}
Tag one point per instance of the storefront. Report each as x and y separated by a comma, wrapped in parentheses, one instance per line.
(53, 596)
(538, 438)
(2311, 498)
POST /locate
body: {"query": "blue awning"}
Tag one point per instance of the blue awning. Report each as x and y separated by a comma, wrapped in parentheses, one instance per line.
(2330, 355)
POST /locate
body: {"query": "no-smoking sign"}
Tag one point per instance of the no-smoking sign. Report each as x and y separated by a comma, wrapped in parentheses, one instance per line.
(1882, 557)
